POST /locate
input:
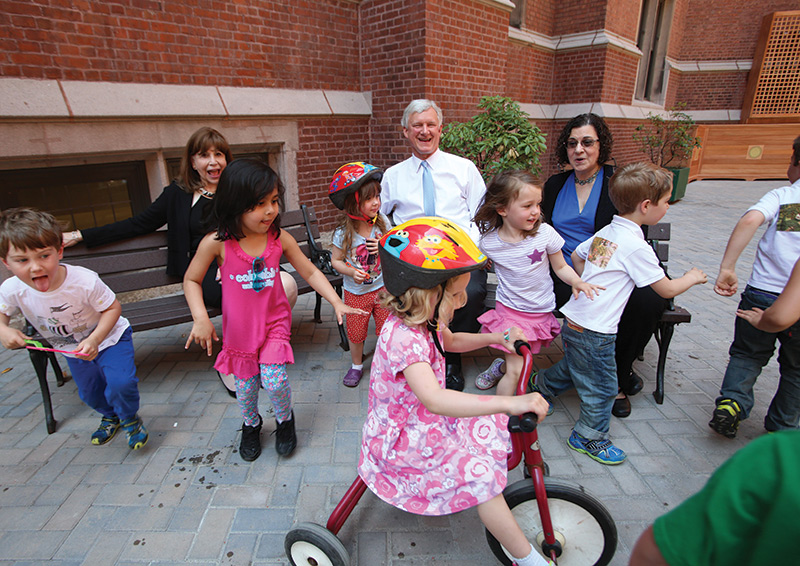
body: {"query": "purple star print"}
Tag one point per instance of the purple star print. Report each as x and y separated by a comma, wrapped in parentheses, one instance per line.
(536, 256)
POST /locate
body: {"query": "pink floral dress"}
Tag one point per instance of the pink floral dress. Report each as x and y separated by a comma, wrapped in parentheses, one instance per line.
(420, 462)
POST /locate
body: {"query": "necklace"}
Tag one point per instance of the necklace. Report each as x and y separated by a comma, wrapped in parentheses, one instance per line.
(210, 195)
(587, 181)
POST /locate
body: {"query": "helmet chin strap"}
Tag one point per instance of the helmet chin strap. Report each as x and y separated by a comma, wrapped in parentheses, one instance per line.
(363, 217)
(433, 324)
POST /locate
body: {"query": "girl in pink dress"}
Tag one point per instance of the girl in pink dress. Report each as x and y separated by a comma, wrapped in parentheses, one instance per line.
(256, 317)
(427, 449)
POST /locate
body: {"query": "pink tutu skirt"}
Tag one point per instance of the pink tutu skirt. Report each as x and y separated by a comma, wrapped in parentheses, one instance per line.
(540, 328)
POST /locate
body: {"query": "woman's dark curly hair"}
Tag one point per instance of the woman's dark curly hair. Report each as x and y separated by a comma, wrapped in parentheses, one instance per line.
(603, 134)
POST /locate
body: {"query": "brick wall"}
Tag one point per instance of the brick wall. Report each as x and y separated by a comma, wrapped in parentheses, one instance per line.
(326, 145)
(283, 44)
(723, 30)
(529, 74)
(710, 91)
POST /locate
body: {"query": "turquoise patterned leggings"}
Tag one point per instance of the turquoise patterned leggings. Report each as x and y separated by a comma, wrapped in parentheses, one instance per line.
(276, 382)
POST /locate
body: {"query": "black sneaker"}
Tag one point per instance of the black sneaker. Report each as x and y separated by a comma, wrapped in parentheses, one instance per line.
(726, 417)
(285, 437)
(250, 446)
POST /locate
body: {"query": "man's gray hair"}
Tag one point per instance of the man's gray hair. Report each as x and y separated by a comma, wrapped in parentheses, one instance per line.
(417, 106)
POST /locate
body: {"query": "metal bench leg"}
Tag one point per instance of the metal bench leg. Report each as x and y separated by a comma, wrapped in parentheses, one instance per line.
(56, 369)
(317, 309)
(39, 360)
(664, 334)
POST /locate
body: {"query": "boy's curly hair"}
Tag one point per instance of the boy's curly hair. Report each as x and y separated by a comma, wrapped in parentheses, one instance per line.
(28, 229)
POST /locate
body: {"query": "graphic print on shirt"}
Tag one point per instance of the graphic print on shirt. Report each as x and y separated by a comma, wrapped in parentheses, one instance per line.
(536, 257)
(788, 218)
(601, 251)
(267, 275)
(366, 262)
(65, 322)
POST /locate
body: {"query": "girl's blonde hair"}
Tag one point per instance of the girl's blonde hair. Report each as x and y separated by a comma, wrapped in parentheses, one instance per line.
(351, 207)
(503, 189)
(416, 306)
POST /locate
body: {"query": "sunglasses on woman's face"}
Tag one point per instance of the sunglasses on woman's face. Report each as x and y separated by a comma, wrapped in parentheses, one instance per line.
(259, 267)
(572, 143)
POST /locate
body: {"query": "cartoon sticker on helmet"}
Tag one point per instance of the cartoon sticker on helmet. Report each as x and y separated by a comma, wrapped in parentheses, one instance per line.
(397, 242)
(432, 243)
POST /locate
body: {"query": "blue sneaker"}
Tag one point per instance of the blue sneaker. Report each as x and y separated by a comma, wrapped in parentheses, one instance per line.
(137, 434)
(601, 450)
(533, 388)
(106, 431)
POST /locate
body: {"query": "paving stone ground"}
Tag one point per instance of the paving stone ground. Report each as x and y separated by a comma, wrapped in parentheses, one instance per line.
(188, 498)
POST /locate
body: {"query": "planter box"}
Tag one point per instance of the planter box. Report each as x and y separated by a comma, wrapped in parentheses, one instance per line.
(680, 178)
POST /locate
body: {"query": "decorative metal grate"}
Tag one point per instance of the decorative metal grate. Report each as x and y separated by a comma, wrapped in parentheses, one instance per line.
(773, 90)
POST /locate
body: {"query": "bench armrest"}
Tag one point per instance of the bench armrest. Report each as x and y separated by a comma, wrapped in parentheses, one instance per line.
(321, 258)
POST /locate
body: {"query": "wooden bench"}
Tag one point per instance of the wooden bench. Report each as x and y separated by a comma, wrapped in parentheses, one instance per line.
(658, 237)
(139, 263)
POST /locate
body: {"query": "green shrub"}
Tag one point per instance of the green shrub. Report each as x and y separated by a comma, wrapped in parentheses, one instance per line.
(499, 138)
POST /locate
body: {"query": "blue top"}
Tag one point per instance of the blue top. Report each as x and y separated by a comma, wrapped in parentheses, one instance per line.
(575, 225)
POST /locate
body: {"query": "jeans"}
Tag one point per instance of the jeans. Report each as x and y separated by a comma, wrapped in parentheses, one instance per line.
(588, 366)
(108, 383)
(750, 352)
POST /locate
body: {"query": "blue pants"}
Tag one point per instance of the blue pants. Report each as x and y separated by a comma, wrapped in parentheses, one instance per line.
(588, 366)
(108, 383)
(750, 352)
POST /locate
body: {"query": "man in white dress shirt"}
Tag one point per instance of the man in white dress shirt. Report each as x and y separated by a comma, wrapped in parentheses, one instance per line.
(455, 190)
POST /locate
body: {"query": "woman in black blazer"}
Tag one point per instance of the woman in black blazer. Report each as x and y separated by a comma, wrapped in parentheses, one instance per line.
(184, 207)
(585, 144)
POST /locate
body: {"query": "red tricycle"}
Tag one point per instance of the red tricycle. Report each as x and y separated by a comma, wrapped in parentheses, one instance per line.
(567, 524)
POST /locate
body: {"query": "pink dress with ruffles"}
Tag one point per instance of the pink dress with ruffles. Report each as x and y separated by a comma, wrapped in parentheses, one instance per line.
(256, 326)
(413, 459)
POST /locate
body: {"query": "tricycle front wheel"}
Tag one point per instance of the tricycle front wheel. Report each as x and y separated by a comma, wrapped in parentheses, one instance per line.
(584, 528)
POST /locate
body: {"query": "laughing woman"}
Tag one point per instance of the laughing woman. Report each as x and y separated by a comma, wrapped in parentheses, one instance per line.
(183, 206)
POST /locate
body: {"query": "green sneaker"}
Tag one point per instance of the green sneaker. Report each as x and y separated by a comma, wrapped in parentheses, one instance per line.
(137, 434)
(533, 388)
(726, 417)
(106, 431)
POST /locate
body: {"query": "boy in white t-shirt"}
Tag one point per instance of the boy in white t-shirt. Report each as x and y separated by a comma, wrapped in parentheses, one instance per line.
(75, 311)
(616, 258)
(752, 348)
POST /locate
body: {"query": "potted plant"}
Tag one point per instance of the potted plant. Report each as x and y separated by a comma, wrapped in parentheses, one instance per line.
(501, 137)
(668, 140)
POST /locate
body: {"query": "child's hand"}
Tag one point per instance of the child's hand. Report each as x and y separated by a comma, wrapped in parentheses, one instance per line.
(530, 403)
(372, 245)
(698, 276)
(727, 283)
(359, 276)
(511, 335)
(12, 338)
(587, 288)
(752, 316)
(203, 333)
(342, 309)
(87, 349)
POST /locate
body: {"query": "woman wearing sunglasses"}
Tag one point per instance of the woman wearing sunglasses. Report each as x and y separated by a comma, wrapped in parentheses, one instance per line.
(576, 204)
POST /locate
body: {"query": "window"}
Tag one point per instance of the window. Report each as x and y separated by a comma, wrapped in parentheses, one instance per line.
(80, 196)
(654, 28)
(517, 14)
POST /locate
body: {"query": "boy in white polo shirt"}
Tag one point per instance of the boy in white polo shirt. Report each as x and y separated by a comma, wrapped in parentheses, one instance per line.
(616, 258)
